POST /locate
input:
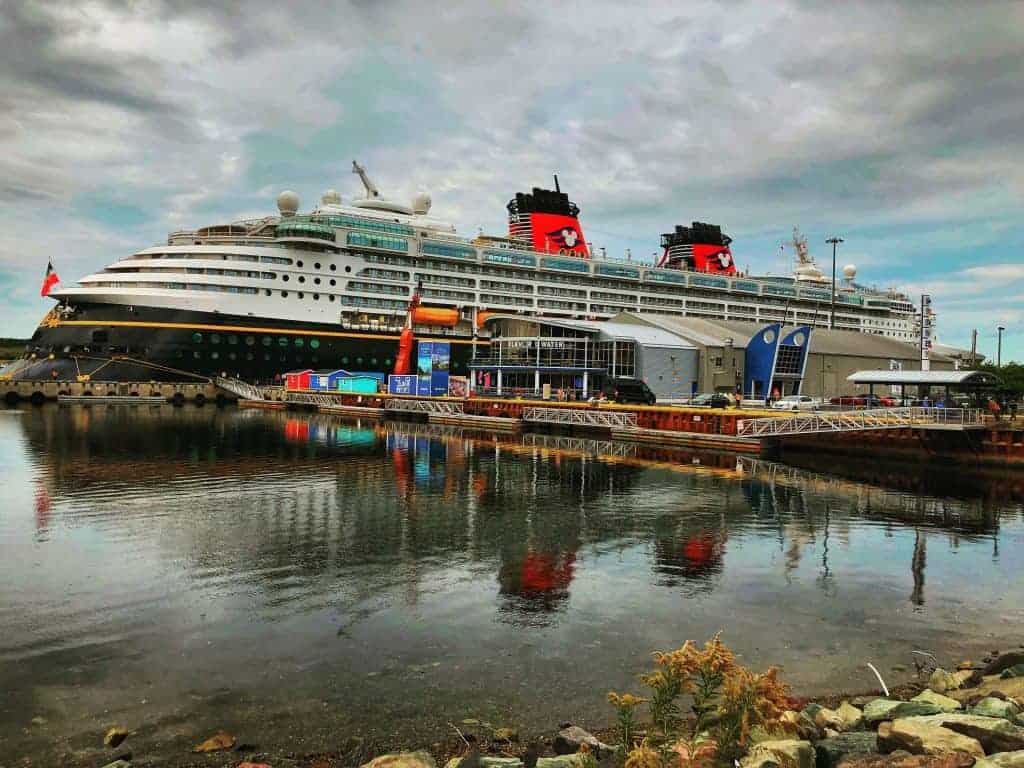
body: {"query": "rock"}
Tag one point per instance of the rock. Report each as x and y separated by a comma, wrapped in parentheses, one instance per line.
(890, 709)
(829, 752)
(963, 677)
(993, 707)
(1005, 661)
(562, 761)
(403, 760)
(487, 761)
(903, 759)
(216, 743)
(253, 765)
(787, 753)
(850, 717)
(1003, 760)
(800, 724)
(942, 681)
(994, 734)
(812, 709)
(965, 664)
(924, 738)
(506, 734)
(1013, 687)
(1017, 670)
(944, 703)
(118, 764)
(569, 740)
(831, 733)
(114, 737)
(827, 718)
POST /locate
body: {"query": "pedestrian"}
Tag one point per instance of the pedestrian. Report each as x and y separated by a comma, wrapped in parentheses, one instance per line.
(1013, 410)
(738, 397)
(993, 408)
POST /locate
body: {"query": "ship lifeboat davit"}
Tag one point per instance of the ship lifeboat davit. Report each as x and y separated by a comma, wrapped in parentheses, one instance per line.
(436, 316)
(481, 318)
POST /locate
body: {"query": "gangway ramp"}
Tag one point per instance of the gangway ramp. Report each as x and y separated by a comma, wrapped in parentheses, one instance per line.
(581, 417)
(823, 422)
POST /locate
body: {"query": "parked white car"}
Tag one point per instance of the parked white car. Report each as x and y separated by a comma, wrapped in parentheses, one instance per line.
(797, 403)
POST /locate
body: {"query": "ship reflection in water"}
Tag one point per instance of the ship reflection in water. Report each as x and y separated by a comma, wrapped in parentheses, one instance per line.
(403, 576)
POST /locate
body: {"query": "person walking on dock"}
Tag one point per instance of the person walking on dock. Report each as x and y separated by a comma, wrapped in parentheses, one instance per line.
(993, 408)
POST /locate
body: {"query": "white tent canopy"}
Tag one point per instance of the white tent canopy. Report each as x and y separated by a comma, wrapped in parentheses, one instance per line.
(925, 378)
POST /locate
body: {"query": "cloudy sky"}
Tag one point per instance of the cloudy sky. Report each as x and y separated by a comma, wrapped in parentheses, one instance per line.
(896, 125)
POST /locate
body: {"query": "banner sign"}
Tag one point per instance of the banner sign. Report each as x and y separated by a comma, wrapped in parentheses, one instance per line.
(401, 385)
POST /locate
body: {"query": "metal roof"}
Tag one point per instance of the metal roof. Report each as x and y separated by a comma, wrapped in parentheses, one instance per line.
(645, 335)
(923, 377)
(716, 333)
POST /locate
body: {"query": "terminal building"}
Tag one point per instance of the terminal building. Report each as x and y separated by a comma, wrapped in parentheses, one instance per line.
(678, 357)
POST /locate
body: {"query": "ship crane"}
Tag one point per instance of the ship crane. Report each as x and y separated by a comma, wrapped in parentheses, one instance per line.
(371, 188)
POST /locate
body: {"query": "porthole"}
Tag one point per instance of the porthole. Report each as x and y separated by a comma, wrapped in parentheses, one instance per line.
(344, 361)
(266, 357)
(373, 361)
(333, 267)
(232, 339)
(387, 363)
(331, 297)
(299, 343)
(284, 294)
(232, 356)
(359, 361)
(298, 264)
(314, 343)
(282, 341)
(250, 340)
(267, 291)
(286, 278)
(249, 356)
(179, 353)
(197, 337)
(333, 281)
(197, 354)
(348, 269)
(302, 279)
(267, 341)
(317, 265)
(316, 297)
(316, 280)
(302, 295)
(214, 355)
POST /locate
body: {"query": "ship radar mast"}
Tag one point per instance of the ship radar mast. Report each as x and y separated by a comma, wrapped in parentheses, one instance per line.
(805, 268)
(371, 188)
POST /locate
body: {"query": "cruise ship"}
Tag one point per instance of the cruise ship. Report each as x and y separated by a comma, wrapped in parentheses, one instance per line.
(331, 288)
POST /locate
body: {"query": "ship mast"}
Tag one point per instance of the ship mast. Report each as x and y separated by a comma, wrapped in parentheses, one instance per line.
(371, 188)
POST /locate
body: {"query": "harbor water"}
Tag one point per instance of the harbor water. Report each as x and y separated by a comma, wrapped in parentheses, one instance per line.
(299, 579)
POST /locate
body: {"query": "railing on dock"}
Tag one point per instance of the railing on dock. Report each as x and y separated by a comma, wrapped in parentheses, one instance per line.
(435, 407)
(581, 417)
(855, 421)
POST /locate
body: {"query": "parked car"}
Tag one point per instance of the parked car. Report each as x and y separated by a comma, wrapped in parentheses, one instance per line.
(711, 400)
(629, 391)
(864, 401)
(797, 403)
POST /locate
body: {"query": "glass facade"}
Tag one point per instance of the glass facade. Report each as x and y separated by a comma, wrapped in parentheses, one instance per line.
(451, 250)
(377, 241)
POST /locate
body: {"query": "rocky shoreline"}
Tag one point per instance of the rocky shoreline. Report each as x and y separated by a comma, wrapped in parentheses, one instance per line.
(972, 716)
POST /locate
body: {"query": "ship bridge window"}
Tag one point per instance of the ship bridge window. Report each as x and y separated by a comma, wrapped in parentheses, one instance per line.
(275, 260)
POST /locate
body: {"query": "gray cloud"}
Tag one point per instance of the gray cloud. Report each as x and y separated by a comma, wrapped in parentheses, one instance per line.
(759, 114)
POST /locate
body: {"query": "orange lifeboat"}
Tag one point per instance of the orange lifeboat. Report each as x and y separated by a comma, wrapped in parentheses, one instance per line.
(481, 318)
(435, 316)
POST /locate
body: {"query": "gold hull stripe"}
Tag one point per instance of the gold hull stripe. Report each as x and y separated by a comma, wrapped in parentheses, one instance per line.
(254, 329)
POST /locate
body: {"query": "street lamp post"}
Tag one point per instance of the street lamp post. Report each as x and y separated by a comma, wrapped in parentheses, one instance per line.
(999, 347)
(832, 317)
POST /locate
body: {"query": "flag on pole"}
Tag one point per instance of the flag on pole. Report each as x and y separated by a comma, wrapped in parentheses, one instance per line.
(49, 280)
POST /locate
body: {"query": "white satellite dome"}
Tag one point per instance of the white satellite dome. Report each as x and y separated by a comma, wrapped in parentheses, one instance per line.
(850, 271)
(331, 197)
(421, 203)
(288, 203)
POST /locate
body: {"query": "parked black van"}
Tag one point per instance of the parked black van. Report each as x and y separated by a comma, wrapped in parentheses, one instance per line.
(629, 391)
